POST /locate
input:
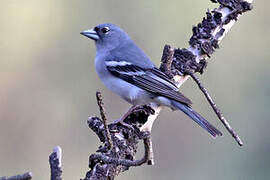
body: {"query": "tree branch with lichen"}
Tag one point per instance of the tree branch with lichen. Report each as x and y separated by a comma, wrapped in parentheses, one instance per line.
(178, 64)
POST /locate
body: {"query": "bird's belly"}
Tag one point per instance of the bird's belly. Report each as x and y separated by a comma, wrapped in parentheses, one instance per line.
(127, 91)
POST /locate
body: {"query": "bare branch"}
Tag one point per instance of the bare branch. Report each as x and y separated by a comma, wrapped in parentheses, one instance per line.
(126, 162)
(166, 60)
(149, 145)
(217, 111)
(103, 116)
(25, 176)
(55, 160)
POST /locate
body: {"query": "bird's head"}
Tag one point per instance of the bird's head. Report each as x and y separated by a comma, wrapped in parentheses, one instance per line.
(106, 36)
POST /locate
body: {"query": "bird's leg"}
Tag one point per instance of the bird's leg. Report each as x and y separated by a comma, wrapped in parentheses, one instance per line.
(121, 120)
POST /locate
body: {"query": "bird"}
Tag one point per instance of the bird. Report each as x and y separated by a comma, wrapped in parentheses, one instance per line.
(127, 71)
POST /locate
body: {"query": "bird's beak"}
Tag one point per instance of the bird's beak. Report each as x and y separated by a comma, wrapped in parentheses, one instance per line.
(91, 33)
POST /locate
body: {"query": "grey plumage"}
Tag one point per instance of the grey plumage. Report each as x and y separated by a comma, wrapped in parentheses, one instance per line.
(125, 69)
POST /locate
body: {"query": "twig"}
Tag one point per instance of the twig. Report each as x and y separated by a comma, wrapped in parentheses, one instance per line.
(125, 162)
(149, 144)
(166, 60)
(55, 163)
(96, 125)
(104, 119)
(216, 109)
(25, 176)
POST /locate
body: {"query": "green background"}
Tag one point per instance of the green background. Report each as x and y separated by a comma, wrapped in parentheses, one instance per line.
(48, 85)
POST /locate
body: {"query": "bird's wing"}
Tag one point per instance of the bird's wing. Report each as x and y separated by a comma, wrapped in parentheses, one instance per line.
(151, 80)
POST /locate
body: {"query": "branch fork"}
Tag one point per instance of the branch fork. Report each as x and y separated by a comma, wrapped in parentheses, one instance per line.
(120, 142)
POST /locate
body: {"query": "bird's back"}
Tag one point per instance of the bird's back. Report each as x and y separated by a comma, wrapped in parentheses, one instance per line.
(130, 52)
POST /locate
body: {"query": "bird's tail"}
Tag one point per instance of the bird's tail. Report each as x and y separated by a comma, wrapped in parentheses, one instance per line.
(198, 119)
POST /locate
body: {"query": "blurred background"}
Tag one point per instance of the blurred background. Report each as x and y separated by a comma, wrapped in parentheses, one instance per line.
(48, 85)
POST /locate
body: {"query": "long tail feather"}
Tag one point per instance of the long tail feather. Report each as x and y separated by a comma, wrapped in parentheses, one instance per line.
(198, 119)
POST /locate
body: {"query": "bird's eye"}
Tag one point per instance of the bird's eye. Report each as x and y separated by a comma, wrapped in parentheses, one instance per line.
(105, 30)
(96, 29)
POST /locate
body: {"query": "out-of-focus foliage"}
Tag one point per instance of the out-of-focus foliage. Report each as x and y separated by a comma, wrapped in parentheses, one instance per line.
(48, 84)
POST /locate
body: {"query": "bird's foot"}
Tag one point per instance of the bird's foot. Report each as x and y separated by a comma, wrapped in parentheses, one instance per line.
(121, 121)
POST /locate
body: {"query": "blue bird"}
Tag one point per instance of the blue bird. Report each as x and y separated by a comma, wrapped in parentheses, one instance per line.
(127, 71)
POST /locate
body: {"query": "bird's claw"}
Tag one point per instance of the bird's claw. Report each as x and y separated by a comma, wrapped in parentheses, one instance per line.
(123, 123)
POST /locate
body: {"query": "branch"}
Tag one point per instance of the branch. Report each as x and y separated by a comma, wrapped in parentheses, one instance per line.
(118, 155)
(120, 143)
(55, 163)
(25, 176)
(103, 116)
(110, 161)
(217, 111)
(166, 60)
(205, 39)
(126, 162)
